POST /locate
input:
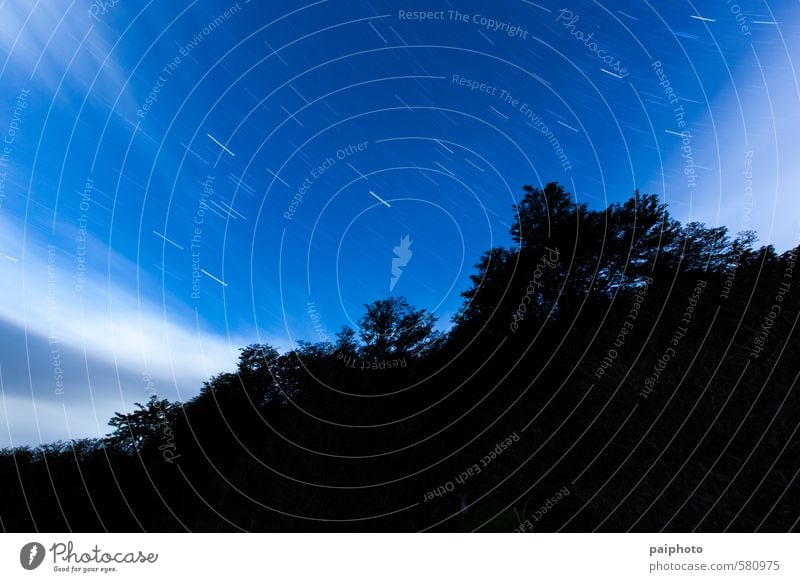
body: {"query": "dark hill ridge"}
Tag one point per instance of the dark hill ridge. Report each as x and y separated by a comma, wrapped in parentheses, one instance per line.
(615, 370)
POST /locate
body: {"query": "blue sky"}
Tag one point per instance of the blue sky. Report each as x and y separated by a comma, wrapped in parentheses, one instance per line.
(181, 179)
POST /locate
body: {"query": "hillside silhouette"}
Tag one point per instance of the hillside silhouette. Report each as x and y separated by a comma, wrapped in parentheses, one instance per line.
(612, 370)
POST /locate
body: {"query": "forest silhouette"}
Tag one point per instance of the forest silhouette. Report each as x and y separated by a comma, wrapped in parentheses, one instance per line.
(613, 370)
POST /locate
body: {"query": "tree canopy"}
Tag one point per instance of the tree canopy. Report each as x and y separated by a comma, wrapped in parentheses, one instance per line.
(615, 350)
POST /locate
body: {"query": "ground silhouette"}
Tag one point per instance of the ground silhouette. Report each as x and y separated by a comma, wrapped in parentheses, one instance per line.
(613, 370)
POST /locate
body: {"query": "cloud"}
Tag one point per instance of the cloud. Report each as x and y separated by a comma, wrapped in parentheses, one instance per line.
(56, 43)
(88, 352)
(753, 177)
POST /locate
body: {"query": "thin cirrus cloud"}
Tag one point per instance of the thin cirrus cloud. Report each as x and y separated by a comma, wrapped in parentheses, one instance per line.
(740, 171)
(49, 46)
(104, 341)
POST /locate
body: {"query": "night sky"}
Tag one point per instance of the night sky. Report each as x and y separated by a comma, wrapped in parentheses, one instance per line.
(180, 179)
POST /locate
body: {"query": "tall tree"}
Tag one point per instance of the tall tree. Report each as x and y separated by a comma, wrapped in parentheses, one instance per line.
(143, 428)
(392, 328)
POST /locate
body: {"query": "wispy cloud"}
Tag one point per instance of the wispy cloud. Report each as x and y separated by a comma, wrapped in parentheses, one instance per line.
(101, 341)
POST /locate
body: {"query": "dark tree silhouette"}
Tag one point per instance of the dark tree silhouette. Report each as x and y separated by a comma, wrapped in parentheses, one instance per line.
(392, 328)
(140, 430)
(646, 361)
